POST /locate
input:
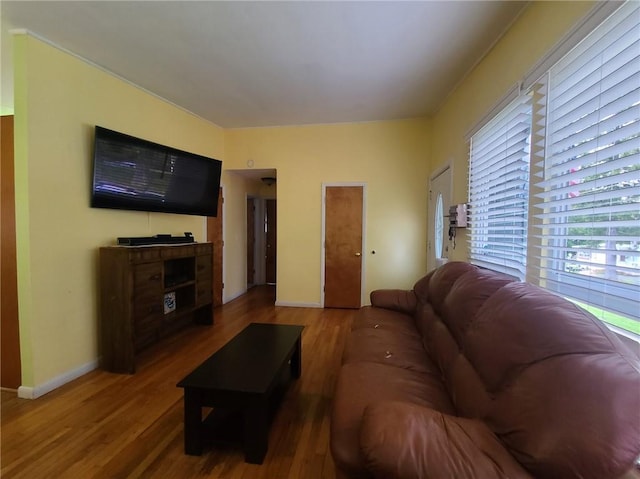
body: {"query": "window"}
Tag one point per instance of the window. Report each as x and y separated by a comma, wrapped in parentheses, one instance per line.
(588, 208)
(580, 194)
(498, 190)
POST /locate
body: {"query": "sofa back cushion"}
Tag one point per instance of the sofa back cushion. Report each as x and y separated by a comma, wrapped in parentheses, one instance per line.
(456, 292)
(440, 283)
(565, 392)
(467, 295)
(421, 288)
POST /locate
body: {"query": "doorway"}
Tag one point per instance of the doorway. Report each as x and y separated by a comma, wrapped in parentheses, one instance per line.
(343, 245)
(438, 212)
(251, 242)
(262, 242)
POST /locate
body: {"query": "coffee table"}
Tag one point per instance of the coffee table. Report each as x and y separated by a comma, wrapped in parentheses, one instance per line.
(242, 376)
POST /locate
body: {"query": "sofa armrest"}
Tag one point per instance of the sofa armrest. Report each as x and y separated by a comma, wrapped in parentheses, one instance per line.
(401, 440)
(403, 301)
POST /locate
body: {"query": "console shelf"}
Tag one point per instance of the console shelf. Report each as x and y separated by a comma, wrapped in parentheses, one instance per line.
(148, 293)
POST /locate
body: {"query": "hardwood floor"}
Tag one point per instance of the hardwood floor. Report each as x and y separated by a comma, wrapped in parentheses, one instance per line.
(111, 425)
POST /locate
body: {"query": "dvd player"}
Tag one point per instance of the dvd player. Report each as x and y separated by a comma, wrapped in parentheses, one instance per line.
(157, 239)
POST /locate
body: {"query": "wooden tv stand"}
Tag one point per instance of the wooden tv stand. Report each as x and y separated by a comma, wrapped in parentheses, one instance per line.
(148, 293)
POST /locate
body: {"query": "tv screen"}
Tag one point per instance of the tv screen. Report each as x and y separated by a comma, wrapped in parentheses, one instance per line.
(134, 174)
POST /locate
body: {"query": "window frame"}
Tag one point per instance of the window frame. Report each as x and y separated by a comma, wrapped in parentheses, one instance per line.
(499, 177)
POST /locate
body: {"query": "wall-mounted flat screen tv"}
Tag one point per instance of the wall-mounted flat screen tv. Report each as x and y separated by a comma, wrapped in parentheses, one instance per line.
(134, 174)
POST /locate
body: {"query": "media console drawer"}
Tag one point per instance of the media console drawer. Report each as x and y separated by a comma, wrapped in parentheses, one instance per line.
(178, 251)
(144, 254)
(148, 293)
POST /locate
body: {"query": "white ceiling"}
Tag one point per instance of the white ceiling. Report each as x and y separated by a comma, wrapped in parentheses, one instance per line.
(248, 64)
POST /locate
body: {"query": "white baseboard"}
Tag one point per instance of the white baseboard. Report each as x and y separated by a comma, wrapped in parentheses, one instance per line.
(289, 304)
(26, 392)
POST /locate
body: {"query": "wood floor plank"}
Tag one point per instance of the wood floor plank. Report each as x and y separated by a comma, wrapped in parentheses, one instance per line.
(110, 425)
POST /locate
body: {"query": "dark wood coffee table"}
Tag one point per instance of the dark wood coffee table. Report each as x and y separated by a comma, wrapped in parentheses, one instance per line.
(242, 376)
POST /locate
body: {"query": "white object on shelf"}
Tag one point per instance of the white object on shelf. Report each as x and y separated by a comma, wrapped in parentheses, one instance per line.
(169, 302)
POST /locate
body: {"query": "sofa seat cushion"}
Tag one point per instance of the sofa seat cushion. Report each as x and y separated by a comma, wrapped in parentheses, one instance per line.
(363, 383)
(405, 441)
(386, 320)
(388, 347)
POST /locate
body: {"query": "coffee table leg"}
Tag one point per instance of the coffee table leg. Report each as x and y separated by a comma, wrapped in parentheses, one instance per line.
(192, 422)
(256, 431)
(296, 360)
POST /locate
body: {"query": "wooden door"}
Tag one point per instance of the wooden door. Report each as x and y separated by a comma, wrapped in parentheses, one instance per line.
(251, 241)
(271, 243)
(11, 371)
(343, 246)
(214, 235)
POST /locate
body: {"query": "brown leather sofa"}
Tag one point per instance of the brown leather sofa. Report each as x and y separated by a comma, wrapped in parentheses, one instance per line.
(473, 374)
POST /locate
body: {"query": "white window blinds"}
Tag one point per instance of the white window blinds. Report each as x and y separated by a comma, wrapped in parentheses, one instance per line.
(588, 206)
(498, 190)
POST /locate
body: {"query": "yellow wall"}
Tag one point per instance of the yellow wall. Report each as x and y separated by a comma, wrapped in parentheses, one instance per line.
(58, 100)
(390, 157)
(538, 29)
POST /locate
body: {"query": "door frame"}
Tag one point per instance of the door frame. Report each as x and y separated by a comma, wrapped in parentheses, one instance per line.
(254, 227)
(265, 233)
(259, 249)
(224, 234)
(364, 236)
(431, 208)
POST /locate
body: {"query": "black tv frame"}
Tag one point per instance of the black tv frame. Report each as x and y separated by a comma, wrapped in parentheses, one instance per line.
(167, 180)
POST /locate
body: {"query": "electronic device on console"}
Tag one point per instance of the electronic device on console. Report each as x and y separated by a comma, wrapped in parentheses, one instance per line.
(157, 239)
